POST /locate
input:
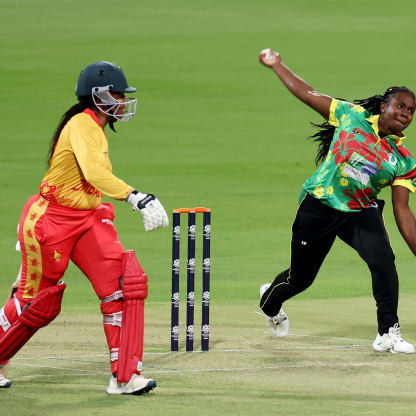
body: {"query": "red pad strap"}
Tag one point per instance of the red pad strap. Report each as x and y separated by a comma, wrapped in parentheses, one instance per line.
(134, 287)
(43, 309)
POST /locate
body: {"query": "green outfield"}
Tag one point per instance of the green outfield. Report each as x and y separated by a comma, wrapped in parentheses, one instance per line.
(213, 128)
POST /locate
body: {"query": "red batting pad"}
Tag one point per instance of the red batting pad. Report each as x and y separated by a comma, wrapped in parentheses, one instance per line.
(43, 309)
(134, 287)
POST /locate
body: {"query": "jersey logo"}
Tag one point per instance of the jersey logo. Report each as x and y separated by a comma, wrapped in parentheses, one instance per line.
(359, 168)
(392, 160)
(56, 255)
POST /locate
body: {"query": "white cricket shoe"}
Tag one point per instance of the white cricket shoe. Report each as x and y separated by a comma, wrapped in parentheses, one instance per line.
(278, 324)
(4, 382)
(393, 342)
(137, 385)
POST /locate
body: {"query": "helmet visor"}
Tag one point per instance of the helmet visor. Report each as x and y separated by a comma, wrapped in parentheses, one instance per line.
(122, 110)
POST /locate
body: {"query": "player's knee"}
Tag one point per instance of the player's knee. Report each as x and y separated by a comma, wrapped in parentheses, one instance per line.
(11, 312)
(134, 280)
(135, 287)
(381, 261)
(302, 285)
(44, 308)
(38, 313)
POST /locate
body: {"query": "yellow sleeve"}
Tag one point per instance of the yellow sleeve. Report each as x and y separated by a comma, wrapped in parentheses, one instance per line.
(90, 147)
(407, 183)
(332, 120)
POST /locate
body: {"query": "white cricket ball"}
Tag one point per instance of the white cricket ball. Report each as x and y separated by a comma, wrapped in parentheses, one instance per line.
(269, 57)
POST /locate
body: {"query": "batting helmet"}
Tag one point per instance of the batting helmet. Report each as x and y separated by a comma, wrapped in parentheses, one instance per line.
(100, 74)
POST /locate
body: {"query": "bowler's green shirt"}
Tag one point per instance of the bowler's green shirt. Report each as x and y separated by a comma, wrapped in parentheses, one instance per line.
(359, 163)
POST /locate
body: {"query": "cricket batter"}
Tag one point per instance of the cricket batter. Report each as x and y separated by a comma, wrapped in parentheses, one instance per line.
(67, 220)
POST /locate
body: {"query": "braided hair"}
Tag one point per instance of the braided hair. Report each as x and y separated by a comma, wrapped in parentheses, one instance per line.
(372, 104)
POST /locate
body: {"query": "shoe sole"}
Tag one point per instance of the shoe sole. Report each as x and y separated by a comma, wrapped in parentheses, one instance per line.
(7, 385)
(149, 386)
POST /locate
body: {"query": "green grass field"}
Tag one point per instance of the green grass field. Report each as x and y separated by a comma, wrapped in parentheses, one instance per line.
(213, 128)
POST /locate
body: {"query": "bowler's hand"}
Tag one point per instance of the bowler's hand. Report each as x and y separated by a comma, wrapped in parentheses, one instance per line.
(269, 58)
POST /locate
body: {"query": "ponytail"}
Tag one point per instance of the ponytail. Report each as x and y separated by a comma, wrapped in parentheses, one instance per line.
(372, 104)
(84, 103)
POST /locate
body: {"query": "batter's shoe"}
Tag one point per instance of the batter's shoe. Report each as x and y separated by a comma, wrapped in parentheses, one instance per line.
(4, 382)
(278, 324)
(393, 342)
(137, 385)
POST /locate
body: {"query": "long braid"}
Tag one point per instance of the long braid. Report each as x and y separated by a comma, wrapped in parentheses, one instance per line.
(372, 104)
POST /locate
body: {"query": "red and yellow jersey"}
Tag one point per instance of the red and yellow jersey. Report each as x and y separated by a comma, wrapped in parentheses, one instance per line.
(80, 171)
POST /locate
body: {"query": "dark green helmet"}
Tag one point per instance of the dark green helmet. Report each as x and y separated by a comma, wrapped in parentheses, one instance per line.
(100, 74)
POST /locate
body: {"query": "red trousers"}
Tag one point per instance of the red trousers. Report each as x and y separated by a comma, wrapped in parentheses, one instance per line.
(49, 236)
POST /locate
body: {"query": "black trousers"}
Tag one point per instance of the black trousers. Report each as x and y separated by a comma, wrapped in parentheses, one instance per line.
(314, 231)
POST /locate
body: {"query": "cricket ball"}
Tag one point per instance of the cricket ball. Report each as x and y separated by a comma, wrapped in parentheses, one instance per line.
(269, 56)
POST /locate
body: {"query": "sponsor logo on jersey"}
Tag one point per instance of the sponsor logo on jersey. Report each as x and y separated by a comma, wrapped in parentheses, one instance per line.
(87, 188)
(359, 168)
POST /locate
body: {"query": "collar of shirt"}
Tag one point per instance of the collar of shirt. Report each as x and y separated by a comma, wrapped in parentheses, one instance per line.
(374, 120)
(93, 115)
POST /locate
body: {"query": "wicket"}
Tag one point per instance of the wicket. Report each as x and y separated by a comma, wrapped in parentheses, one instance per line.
(206, 262)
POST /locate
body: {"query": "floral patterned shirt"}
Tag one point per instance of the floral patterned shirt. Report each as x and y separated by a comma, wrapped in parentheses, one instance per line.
(359, 163)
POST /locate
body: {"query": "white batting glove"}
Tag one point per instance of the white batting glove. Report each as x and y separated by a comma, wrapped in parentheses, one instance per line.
(154, 215)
